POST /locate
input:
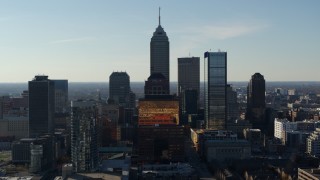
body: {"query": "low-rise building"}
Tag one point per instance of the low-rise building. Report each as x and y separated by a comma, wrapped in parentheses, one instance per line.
(222, 150)
(220, 145)
(313, 143)
(167, 171)
(161, 143)
(36, 152)
(308, 174)
(283, 128)
(17, 126)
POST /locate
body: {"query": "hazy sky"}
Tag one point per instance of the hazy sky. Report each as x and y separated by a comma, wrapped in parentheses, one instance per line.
(87, 40)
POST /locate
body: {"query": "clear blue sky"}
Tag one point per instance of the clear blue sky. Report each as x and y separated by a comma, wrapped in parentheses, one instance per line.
(87, 40)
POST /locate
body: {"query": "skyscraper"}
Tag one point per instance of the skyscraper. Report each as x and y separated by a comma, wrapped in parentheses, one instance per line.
(119, 88)
(62, 107)
(41, 106)
(188, 74)
(61, 95)
(215, 90)
(159, 52)
(256, 91)
(84, 148)
(188, 86)
(232, 105)
(256, 100)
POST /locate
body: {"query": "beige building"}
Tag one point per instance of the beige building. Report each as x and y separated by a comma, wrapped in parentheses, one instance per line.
(308, 174)
(14, 126)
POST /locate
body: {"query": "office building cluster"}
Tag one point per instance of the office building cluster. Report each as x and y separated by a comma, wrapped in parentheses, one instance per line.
(214, 128)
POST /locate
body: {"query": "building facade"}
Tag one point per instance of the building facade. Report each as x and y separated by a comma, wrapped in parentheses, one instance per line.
(24, 151)
(256, 101)
(219, 145)
(156, 85)
(163, 143)
(84, 149)
(158, 111)
(119, 88)
(41, 106)
(215, 90)
(159, 52)
(232, 105)
(313, 143)
(308, 174)
(291, 133)
(188, 74)
(61, 96)
(14, 126)
(222, 150)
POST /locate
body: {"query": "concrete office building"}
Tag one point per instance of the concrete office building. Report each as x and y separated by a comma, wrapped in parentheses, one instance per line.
(188, 88)
(313, 143)
(159, 52)
(308, 174)
(199, 136)
(188, 74)
(219, 145)
(293, 132)
(215, 90)
(41, 106)
(222, 150)
(281, 126)
(14, 126)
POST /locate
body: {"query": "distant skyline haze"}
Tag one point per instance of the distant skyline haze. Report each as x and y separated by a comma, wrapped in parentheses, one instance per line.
(86, 41)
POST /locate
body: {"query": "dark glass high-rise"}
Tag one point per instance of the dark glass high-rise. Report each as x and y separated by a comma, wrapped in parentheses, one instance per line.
(119, 88)
(215, 90)
(41, 106)
(256, 100)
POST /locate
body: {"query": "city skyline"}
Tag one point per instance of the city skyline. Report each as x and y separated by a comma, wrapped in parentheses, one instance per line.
(84, 42)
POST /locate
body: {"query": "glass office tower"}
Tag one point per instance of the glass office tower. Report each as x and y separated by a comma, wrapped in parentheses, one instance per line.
(41, 106)
(215, 90)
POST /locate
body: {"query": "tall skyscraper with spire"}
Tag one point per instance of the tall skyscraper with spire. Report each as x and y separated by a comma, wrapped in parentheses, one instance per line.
(159, 52)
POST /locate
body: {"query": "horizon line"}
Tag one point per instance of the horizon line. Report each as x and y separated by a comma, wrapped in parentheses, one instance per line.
(170, 82)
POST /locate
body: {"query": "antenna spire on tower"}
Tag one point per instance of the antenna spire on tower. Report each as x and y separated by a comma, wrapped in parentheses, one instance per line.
(159, 17)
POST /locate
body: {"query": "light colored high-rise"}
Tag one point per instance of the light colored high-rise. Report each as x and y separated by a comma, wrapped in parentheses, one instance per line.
(215, 90)
(159, 52)
(188, 74)
(84, 150)
(313, 143)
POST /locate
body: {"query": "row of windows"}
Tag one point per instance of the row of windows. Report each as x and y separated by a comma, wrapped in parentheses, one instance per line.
(228, 150)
